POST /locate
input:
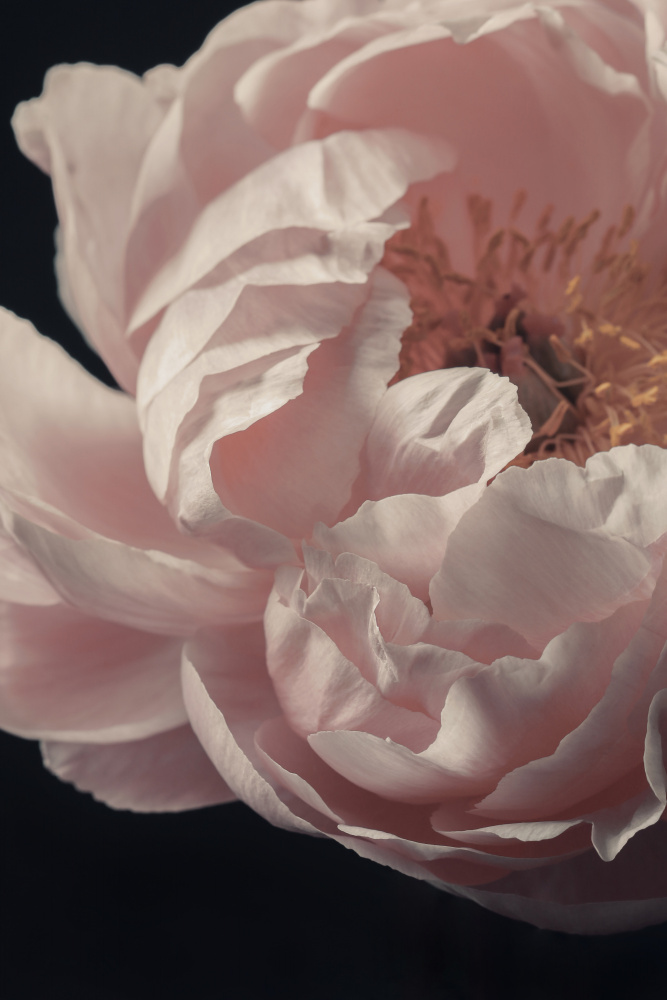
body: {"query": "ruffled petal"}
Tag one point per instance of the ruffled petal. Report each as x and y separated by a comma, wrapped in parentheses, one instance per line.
(555, 544)
(168, 772)
(390, 769)
(610, 740)
(297, 465)
(228, 695)
(349, 178)
(586, 895)
(140, 588)
(90, 130)
(405, 535)
(570, 99)
(317, 686)
(437, 432)
(273, 92)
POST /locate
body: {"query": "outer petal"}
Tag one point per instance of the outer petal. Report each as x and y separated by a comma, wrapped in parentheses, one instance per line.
(20, 580)
(228, 695)
(168, 772)
(586, 895)
(140, 588)
(70, 442)
(90, 130)
(64, 675)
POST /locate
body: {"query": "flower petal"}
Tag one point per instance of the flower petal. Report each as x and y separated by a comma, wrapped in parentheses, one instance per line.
(569, 98)
(405, 535)
(609, 741)
(89, 130)
(349, 178)
(317, 686)
(66, 676)
(291, 487)
(228, 695)
(140, 588)
(168, 772)
(555, 544)
(586, 895)
(437, 432)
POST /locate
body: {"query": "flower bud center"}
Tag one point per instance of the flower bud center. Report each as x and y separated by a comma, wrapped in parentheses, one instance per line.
(581, 331)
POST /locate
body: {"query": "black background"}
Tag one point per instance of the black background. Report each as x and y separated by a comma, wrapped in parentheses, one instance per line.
(216, 904)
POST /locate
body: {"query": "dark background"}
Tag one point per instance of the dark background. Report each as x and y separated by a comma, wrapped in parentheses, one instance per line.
(216, 904)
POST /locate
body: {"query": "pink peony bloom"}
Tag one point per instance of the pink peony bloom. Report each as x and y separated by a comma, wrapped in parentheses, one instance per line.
(355, 259)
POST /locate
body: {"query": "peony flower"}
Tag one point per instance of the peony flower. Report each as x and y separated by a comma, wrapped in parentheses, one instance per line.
(387, 282)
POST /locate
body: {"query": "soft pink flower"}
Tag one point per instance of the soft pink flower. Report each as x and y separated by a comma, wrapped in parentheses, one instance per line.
(279, 247)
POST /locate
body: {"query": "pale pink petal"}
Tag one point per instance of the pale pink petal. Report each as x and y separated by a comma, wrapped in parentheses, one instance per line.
(586, 895)
(540, 839)
(349, 178)
(405, 535)
(437, 432)
(390, 769)
(615, 826)
(290, 487)
(395, 830)
(421, 676)
(444, 873)
(72, 443)
(202, 147)
(239, 380)
(228, 695)
(20, 580)
(168, 772)
(608, 743)
(140, 588)
(401, 617)
(568, 100)
(273, 92)
(516, 711)
(379, 627)
(66, 676)
(484, 865)
(387, 832)
(205, 142)
(294, 765)
(316, 685)
(480, 640)
(90, 130)
(231, 388)
(525, 557)
(292, 257)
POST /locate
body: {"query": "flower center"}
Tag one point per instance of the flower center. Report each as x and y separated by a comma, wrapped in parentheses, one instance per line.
(582, 336)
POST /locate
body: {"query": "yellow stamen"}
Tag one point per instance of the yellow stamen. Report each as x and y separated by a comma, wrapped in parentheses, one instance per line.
(593, 325)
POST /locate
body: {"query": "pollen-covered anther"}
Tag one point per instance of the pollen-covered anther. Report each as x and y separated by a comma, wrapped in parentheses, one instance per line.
(580, 330)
